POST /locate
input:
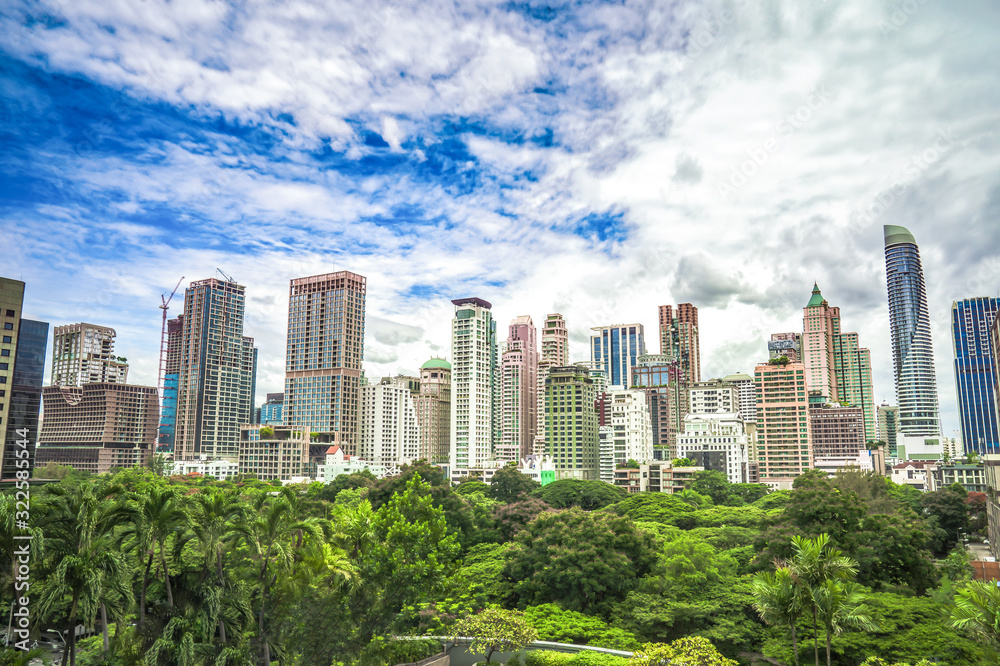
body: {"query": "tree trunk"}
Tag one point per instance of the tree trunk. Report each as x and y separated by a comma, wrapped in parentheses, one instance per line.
(827, 647)
(145, 584)
(166, 579)
(71, 648)
(815, 637)
(795, 644)
(104, 626)
(222, 624)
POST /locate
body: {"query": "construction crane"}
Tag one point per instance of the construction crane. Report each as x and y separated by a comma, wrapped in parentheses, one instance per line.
(164, 304)
(223, 273)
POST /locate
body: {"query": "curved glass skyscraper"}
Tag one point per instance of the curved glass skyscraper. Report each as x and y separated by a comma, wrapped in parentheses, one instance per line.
(910, 328)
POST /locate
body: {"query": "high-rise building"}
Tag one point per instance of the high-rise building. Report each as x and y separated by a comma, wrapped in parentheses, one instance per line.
(616, 349)
(555, 340)
(272, 412)
(837, 431)
(85, 354)
(433, 407)
(713, 396)
(679, 339)
(474, 383)
(910, 328)
(821, 325)
(888, 427)
(389, 432)
(784, 444)
(518, 391)
(853, 371)
(325, 351)
(98, 426)
(788, 345)
(975, 372)
(22, 364)
(747, 391)
(659, 377)
(712, 432)
(217, 372)
(571, 434)
(171, 381)
(631, 427)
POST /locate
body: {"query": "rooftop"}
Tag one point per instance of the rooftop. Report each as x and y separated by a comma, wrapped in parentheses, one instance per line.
(895, 235)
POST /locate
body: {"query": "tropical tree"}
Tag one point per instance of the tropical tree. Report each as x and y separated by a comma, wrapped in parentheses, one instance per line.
(778, 601)
(496, 629)
(840, 607)
(977, 609)
(88, 569)
(813, 563)
(689, 651)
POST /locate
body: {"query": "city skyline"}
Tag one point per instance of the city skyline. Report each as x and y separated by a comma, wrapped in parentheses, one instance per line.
(683, 161)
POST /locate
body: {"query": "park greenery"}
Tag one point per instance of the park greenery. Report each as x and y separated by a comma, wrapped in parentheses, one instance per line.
(196, 571)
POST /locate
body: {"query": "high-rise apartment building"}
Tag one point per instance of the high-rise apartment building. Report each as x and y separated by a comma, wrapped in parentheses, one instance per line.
(389, 432)
(976, 372)
(746, 389)
(555, 340)
(784, 444)
(713, 396)
(22, 364)
(888, 428)
(659, 377)
(98, 426)
(324, 354)
(217, 373)
(518, 391)
(788, 345)
(679, 339)
(631, 426)
(821, 325)
(571, 433)
(171, 381)
(853, 372)
(272, 412)
(85, 354)
(712, 432)
(433, 407)
(837, 431)
(910, 328)
(616, 349)
(474, 383)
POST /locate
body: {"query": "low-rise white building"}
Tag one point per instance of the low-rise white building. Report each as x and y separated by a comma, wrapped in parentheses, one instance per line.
(218, 469)
(706, 435)
(337, 463)
(536, 468)
(916, 473)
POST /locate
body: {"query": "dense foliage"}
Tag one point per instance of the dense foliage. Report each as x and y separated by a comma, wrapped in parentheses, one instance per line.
(190, 570)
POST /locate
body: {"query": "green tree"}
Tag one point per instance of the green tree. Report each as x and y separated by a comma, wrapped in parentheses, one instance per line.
(496, 629)
(664, 508)
(588, 495)
(840, 608)
(977, 610)
(691, 651)
(509, 485)
(584, 560)
(778, 602)
(563, 626)
(512, 518)
(948, 509)
(715, 485)
(682, 462)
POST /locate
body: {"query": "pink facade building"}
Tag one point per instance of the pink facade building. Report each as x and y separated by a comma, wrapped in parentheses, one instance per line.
(519, 391)
(820, 328)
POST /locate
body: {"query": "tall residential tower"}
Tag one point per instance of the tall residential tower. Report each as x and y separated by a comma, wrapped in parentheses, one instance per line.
(975, 372)
(910, 329)
(474, 383)
(519, 391)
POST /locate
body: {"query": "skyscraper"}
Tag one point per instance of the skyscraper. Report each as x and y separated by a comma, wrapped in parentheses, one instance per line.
(474, 383)
(910, 329)
(853, 372)
(784, 443)
(679, 339)
(171, 378)
(571, 430)
(433, 407)
(888, 428)
(975, 373)
(85, 353)
(326, 331)
(555, 340)
(216, 376)
(389, 434)
(519, 391)
(820, 326)
(616, 349)
(22, 364)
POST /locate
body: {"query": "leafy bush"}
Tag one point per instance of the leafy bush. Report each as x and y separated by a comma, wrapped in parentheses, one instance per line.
(547, 658)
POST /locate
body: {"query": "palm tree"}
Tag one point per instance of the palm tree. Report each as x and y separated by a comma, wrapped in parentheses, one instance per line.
(88, 570)
(153, 518)
(840, 607)
(216, 513)
(777, 601)
(814, 562)
(271, 520)
(977, 608)
(8, 544)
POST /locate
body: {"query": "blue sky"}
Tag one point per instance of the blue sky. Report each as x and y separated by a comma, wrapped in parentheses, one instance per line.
(595, 159)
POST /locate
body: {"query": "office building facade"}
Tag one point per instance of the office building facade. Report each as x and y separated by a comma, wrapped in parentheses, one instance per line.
(910, 330)
(972, 320)
(324, 355)
(474, 383)
(217, 372)
(616, 349)
(571, 428)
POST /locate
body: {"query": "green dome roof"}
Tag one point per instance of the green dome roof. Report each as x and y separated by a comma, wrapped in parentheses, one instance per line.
(817, 298)
(436, 363)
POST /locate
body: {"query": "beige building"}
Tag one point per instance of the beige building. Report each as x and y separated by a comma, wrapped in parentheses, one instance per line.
(98, 427)
(713, 396)
(389, 434)
(837, 431)
(656, 477)
(85, 354)
(283, 452)
(433, 407)
(784, 442)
